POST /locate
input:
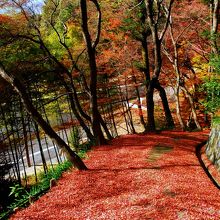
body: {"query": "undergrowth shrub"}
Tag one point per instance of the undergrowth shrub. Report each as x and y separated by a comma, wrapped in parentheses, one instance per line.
(21, 197)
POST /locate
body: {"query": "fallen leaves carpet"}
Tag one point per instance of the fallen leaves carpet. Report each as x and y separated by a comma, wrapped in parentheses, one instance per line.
(152, 176)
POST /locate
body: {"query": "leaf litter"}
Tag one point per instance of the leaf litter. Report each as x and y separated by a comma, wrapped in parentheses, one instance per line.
(124, 182)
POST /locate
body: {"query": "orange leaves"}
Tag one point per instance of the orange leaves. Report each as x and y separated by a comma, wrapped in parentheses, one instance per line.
(114, 23)
(67, 62)
(14, 23)
(112, 36)
(107, 54)
(127, 72)
(4, 18)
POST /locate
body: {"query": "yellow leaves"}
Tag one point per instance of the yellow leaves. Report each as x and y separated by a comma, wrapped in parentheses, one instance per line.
(201, 67)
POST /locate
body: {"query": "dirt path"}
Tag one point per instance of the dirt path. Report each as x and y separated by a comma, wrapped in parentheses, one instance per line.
(154, 176)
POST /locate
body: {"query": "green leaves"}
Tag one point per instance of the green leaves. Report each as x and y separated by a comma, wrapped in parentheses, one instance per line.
(207, 1)
(211, 87)
(212, 90)
(22, 197)
(17, 191)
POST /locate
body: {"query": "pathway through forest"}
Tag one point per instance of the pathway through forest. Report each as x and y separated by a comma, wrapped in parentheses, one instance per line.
(152, 176)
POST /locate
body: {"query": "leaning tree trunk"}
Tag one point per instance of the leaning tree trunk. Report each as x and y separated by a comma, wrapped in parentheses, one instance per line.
(20, 89)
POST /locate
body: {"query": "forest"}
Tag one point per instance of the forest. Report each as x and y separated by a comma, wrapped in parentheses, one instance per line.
(81, 77)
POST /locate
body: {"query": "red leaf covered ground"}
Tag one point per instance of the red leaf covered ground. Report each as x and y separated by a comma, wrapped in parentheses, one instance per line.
(131, 179)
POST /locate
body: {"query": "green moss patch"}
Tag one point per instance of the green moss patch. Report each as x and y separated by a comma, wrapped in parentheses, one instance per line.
(157, 151)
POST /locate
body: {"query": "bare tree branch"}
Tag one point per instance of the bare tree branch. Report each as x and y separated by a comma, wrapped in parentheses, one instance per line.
(99, 22)
(168, 12)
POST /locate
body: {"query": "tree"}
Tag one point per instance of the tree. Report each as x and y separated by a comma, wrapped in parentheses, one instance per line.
(174, 57)
(153, 20)
(212, 84)
(32, 32)
(91, 49)
(212, 87)
(156, 12)
(214, 9)
(58, 22)
(20, 89)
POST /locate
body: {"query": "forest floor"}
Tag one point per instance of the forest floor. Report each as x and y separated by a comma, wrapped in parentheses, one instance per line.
(146, 176)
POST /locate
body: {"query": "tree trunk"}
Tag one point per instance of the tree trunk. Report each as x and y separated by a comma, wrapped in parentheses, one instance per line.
(178, 76)
(139, 103)
(146, 60)
(191, 101)
(20, 89)
(140, 109)
(168, 115)
(175, 63)
(104, 126)
(178, 113)
(149, 88)
(212, 146)
(25, 136)
(128, 110)
(214, 25)
(75, 112)
(96, 127)
(87, 117)
(37, 133)
(157, 41)
(150, 107)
